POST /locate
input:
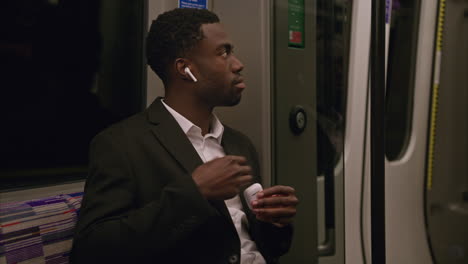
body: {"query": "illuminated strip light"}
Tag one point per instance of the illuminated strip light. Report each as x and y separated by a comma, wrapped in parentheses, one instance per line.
(435, 93)
(388, 19)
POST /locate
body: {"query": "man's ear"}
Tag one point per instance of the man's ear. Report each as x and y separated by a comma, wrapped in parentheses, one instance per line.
(180, 65)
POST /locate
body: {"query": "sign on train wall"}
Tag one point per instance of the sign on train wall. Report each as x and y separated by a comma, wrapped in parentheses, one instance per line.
(201, 4)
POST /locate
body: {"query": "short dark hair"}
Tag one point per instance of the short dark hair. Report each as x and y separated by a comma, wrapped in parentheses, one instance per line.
(173, 34)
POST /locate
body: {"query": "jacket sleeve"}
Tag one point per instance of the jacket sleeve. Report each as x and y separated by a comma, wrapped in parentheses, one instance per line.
(111, 229)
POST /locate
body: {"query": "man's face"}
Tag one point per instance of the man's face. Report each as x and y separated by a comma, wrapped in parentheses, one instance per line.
(217, 69)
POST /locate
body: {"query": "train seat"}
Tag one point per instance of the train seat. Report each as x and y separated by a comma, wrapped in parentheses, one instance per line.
(39, 230)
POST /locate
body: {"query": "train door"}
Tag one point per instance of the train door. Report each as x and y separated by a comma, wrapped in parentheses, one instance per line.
(426, 140)
(410, 43)
(333, 32)
(425, 143)
(408, 92)
(356, 188)
(294, 113)
(446, 186)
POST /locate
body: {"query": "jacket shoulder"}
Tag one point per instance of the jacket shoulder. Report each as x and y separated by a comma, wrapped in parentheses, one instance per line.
(128, 126)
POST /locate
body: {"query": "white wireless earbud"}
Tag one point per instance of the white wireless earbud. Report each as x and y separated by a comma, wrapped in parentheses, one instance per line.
(187, 70)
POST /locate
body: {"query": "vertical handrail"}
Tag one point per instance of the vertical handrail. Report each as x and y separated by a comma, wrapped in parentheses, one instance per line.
(377, 132)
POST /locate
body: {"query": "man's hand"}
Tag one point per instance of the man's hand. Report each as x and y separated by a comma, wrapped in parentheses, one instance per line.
(276, 205)
(223, 177)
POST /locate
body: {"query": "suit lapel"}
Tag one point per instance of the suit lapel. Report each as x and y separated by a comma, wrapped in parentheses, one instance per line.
(172, 137)
(231, 147)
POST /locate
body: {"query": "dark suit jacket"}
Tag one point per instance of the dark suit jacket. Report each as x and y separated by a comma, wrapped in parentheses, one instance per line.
(142, 206)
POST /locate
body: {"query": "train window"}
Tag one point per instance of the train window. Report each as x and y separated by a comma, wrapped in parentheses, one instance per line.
(400, 76)
(333, 35)
(68, 69)
(332, 57)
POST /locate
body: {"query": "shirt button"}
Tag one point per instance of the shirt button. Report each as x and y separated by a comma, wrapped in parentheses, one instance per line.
(233, 259)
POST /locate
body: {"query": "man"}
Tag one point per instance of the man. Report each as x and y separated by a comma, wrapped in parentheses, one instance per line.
(166, 185)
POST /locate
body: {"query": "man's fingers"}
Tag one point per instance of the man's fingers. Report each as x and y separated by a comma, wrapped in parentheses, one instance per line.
(244, 170)
(282, 215)
(276, 201)
(276, 190)
(236, 159)
(244, 180)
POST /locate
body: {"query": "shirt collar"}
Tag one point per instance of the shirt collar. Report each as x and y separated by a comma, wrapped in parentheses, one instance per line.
(216, 128)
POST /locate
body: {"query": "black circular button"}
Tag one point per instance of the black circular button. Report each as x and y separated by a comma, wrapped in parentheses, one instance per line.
(297, 119)
(234, 258)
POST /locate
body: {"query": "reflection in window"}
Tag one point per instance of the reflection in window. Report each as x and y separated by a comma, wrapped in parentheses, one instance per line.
(332, 54)
(68, 69)
(333, 34)
(400, 76)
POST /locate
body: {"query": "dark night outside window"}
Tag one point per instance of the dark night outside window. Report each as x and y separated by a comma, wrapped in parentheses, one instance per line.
(68, 69)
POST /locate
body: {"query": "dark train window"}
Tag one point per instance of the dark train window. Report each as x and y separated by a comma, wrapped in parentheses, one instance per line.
(400, 76)
(333, 36)
(68, 69)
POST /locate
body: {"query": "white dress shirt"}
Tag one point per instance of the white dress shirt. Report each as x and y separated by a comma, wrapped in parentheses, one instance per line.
(208, 148)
